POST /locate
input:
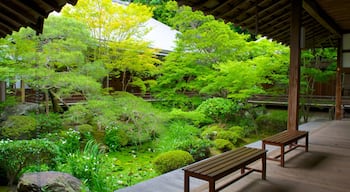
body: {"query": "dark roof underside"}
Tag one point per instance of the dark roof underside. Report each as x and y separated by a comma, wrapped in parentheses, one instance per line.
(15, 14)
(271, 18)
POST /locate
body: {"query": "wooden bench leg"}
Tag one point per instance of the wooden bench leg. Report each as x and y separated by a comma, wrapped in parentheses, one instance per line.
(263, 161)
(307, 142)
(282, 156)
(212, 185)
(187, 182)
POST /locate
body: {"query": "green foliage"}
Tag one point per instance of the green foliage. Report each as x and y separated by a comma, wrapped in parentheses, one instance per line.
(140, 121)
(228, 135)
(198, 148)
(9, 102)
(116, 138)
(48, 123)
(77, 115)
(193, 117)
(89, 166)
(274, 121)
(177, 133)
(172, 160)
(218, 109)
(67, 141)
(19, 127)
(15, 155)
(223, 145)
(211, 132)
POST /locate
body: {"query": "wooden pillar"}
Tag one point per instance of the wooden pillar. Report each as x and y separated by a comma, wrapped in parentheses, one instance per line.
(338, 87)
(294, 70)
(2, 91)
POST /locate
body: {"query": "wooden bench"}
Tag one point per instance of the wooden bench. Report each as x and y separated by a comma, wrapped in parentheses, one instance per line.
(284, 139)
(219, 166)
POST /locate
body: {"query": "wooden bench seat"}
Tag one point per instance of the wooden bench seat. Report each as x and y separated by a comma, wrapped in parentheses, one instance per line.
(284, 139)
(219, 166)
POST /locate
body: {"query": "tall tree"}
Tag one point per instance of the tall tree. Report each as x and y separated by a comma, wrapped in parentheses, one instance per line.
(119, 30)
(54, 61)
(214, 60)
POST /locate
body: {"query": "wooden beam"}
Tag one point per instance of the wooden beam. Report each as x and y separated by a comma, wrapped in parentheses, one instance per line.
(294, 69)
(338, 86)
(316, 12)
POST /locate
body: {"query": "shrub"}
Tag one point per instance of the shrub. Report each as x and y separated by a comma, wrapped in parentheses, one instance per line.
(275, 121)
(178, 132)
(15, 155)
(115, 138)
(194, 117)
(77, 115)
(172, 160)
(238, 130)
(19, 127)
(223, 145)
(218, 109)
(228, 135)
(48, 123)
(199, 149)
(211, 132)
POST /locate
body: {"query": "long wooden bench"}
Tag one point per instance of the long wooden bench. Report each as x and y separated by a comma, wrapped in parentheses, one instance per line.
(283, 139)
(219, 166)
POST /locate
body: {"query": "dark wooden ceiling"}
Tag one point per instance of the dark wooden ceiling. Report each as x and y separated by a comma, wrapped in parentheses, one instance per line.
(323, 20)
(15, 14)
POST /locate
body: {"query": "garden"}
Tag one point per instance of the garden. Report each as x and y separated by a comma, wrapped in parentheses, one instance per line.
(111, 138)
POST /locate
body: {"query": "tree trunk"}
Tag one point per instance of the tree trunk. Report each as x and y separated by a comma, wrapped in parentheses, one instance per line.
(55, 104)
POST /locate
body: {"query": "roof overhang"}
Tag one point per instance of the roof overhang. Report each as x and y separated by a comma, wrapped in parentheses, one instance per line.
(323, 21)
(15, 14)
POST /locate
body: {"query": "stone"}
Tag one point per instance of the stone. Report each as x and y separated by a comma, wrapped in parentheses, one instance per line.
(48, 181)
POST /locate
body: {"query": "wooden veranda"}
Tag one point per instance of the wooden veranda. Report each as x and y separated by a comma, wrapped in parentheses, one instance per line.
(300, 24)
(325, 168)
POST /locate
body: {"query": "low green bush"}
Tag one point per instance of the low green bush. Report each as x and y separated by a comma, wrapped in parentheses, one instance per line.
(15, 155)
(198, 148)
(115, 138)
(172, 160)
(228, 135)
(274, 121)
(223, 145)
(48, 123)
(19, 127)
(194, 117)
(211, 132)
(218, 109)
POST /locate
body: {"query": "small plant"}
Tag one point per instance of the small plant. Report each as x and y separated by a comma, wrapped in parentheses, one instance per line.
(198, 148)
(115, 138)
(274, 121)
(172, 160)
(223, 145)
(48, 123)
(228, 135)
(211, 132)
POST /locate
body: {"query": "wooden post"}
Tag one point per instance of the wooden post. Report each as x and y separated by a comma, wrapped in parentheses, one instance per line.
(294, 70)
(2, 91)
(338, 87)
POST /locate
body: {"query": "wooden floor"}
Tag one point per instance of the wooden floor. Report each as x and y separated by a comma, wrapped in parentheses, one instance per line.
(325, 168)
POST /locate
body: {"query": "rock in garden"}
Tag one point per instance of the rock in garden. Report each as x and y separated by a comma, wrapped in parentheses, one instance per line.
(48, 181)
